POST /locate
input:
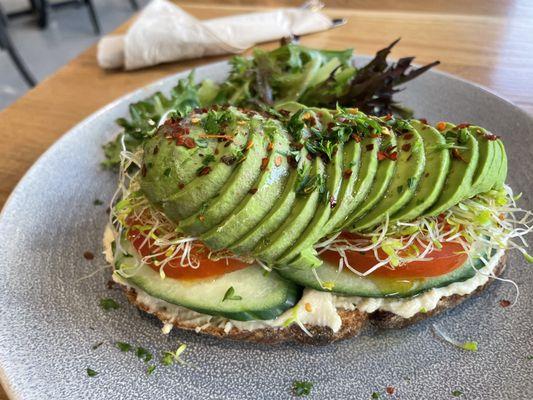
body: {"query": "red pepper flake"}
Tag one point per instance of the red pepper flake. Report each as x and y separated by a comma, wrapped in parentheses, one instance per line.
(505, 303)
(424, 121)
(88, 255)
(393, 156)
(201, 218)
(357, 138)
(181, 185)
(347, 173)
(457, 155)
(204, 171)
(426, 174)
(277, 161)
(189, 142)
(390, 390)
(252, 191)
(381, 155)
(309, 156)
(374, 135)
(406, 147)
(111, 284)
(490, 136)
(370, 147)
(332, 202)
(331, 125)
(292, 162)
(180, 140)
(408, 136)
(270, 146)
(264, 163)
(463, 125)
(441, 126)
(387, 117)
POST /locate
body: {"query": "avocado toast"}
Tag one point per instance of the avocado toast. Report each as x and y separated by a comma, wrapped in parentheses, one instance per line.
(306, 223)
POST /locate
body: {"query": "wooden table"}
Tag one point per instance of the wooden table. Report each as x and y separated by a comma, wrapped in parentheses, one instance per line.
(486, 41)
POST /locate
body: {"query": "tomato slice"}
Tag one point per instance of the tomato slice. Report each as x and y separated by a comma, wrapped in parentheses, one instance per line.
(173, 269)
(444, 260)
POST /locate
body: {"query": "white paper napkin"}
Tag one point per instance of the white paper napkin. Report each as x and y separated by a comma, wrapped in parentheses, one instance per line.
(163, 32)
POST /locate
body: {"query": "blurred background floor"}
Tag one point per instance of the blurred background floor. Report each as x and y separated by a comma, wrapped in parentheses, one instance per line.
(44, 51)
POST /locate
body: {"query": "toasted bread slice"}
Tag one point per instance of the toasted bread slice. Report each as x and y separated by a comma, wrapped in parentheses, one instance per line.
(352, 321)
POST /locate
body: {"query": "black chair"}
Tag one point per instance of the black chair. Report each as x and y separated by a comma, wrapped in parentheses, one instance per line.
(7, 44)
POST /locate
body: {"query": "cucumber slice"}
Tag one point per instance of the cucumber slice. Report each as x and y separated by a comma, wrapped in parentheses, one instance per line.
(348, 283)
(262, 297)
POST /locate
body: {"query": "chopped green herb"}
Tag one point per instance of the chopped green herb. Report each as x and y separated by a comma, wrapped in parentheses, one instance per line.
(108, 304)
(91, 373)
(470, 346)
(375, 395)
(166, 172)
(96, 345)
(143, 354)
(98, 202)
(122, 346)
(529, 358)
(302, 388)
(457, 393)
(170, 357)
(150, 369)
(230, 295)
(411, 183)
(208, 158)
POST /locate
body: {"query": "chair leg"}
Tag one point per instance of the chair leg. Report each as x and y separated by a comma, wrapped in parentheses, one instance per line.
(42, 8)
(93, 16)
(5, 42)
(134, 4)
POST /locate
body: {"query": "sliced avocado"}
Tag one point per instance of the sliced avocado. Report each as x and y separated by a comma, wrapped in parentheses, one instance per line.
(363, 184)
(434, 176)
(462, 167)
(308, 189)
(502, 175)
(231, 194)
(168, 166)
(256, 204)
(385, 172)
(485, 174)
(208, 184)
(315, 229)
(279, 212)
(410, 166)
(350, 171)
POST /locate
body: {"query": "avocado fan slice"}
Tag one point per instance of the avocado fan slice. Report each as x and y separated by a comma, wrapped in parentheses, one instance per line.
(209, 177)
(367, 173)
(277, 214)
(410, 166)
(315, 229)
(257, 203)
(502, 175)
(240, 182)
(270, 248)
(485, 174)
(462, 168)
(382, 179)
(434, 176)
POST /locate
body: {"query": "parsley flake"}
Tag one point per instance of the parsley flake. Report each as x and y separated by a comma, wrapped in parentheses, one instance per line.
(529, 358)
(375, 395)
(108, 304)
(457, 393)
(150, 370)
(122, 346)
(143, 354)
(91, 373)
(302, 388)
(230, 295)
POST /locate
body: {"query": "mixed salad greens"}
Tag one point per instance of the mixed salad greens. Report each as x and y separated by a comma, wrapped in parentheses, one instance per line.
(320, 78)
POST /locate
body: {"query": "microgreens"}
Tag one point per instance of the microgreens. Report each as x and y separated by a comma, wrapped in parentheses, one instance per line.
(108, 304)
(302, 388)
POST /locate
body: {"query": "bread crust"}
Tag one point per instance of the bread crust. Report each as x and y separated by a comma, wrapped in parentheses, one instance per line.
(353, 321)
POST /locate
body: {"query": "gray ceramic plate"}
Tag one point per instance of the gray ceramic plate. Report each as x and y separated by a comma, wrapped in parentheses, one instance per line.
(49, 320)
